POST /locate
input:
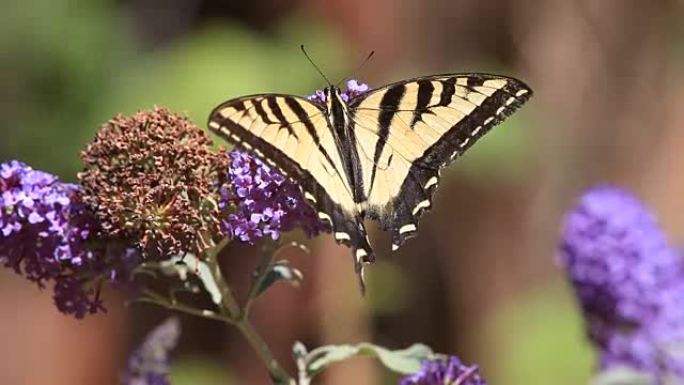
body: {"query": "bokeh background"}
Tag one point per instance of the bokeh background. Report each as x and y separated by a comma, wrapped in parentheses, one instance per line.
(480, 279)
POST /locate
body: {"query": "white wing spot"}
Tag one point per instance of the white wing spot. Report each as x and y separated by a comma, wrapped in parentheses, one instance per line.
(495, 83)
(431, 182)
(510, 101)
(309, 196)
(360, 253)
(477, 129)
(422, 205)
(235, 137)
(521, 92)
(500, 110)
(407, 228)
(342, 236)
(488, 120)
(324, 216)
(247, 146)
(258, 152)
(454, 155)
(214, 125)
(464, 143)
(270, 162)
(395, 247)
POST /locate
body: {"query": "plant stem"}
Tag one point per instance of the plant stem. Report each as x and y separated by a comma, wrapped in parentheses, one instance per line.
(278, 374)
(156, 299)
(230, 304)
(262, 270)
(238, 318)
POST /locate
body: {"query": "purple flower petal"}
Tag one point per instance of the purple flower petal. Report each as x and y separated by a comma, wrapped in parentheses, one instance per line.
(34, 218)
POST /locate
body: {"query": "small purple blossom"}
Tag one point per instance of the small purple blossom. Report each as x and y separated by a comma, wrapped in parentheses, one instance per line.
(445, 371)
(629, 280)
(318, 96)
(261, 202)
(354, 89)
(72, 297)
(149, 364)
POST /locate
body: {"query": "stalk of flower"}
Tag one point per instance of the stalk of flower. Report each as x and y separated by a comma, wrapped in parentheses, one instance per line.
(629, 281)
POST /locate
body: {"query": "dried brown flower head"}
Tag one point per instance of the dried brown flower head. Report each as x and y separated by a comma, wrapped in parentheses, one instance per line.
(152, 178)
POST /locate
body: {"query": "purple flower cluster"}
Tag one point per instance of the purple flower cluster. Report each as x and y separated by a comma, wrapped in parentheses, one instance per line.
(261, 202)
(445, 371)
(36, 209)
(149, 364)
(629, 280)
(44, 233)
(354, 89)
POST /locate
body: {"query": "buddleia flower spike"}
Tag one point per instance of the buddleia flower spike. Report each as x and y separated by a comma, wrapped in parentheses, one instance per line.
(629, 281)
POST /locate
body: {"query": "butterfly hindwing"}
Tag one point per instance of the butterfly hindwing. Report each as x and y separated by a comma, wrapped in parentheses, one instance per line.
(292, 134)
(414, 128)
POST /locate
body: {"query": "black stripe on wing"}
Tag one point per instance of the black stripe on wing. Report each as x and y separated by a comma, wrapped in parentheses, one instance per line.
(425, 90)
(388, 105)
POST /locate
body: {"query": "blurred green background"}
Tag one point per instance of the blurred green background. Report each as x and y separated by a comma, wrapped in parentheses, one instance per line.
(480, 279)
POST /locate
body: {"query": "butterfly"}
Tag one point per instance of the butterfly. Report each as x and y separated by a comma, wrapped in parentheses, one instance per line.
(375, 156)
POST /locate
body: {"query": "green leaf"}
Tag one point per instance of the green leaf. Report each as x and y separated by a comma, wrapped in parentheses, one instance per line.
(280, 271)
(404, 361)
(621, 376)
(322, 357)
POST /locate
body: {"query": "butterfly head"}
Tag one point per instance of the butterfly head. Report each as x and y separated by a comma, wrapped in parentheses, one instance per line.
(333, 96)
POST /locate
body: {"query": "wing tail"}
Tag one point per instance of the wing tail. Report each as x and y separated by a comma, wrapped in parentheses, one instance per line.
(347, 230)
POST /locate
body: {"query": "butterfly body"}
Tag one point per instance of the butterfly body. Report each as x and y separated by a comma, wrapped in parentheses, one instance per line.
(375, 156)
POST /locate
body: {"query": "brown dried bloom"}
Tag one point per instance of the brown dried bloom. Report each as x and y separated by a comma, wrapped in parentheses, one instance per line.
(152, 178)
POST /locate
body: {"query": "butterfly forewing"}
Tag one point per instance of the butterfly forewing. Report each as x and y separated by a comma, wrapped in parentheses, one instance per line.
(419, 126)
(292, 134)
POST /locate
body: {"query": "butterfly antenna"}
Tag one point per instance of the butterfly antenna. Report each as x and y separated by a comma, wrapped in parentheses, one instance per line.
(314, 64)
(370, 55)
